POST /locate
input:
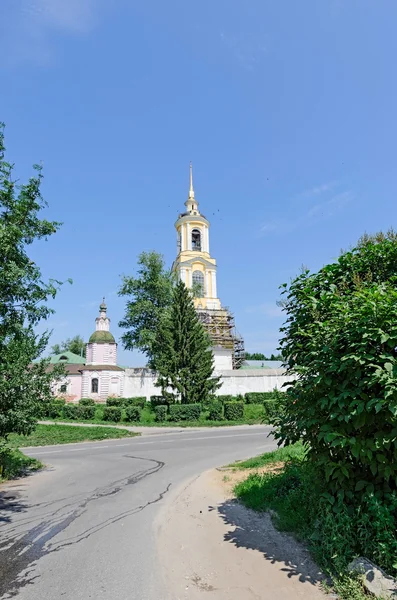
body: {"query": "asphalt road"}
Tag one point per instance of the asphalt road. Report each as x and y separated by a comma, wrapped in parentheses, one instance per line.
(84, 527)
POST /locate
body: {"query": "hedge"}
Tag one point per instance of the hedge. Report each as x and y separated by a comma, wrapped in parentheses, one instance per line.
(51, 410)
(157, 401)
(272, 408)
(70, 411)
(234, 411)
(184, 412)
(112, 413)
(225, 398)
(132, 413)
(86, 413)
(215, 411)
(139, 401)
(259, 397)
(161, 413)
(114, 401)
(87, 402)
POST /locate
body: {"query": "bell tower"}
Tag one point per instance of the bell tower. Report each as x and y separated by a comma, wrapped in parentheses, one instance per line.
(194, 264)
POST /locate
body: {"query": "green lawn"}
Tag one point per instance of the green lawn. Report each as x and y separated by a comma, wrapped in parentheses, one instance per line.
(48, 435)
(14, 464)
(280, 455)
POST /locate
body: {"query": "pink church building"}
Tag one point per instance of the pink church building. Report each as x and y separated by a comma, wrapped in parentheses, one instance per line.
(98, 376)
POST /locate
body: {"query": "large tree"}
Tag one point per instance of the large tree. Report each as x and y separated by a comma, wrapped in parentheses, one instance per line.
(149, 296)
(183, 352)
(23, 296)
(75, 344)
(340, 338)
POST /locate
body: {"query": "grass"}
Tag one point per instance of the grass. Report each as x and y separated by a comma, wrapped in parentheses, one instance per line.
(283, 454)
(334, 532)
(48, 435)
(13, 463)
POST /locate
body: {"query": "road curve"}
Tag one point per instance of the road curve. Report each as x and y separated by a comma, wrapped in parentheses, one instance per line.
(84, 527)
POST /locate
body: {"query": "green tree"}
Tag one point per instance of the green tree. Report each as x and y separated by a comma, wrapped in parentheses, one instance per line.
(149, 296)
(183, 351)
(340, 339)
(23, 295)
(75, 344)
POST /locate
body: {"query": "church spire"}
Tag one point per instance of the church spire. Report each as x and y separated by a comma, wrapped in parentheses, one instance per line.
(191, 190)
(191, 203)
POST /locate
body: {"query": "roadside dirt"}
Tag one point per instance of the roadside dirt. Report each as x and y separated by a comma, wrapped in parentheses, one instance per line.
(212, 547)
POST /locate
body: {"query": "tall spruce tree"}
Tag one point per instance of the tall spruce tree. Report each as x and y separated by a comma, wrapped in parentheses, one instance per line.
(184, 356)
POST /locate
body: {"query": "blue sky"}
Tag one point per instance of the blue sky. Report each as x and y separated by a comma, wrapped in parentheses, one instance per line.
(287, 110)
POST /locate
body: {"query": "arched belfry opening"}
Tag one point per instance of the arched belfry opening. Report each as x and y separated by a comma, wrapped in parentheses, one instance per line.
(196, 239)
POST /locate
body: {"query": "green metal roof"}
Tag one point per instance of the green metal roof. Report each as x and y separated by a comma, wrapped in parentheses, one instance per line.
(102, 337)
(68, 358)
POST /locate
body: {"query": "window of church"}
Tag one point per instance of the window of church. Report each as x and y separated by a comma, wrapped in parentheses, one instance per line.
(63, 389)
(198, 284)
(196, 239)
(94, 386)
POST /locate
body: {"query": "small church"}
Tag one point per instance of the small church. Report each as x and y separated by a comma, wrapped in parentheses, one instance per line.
(98, 376)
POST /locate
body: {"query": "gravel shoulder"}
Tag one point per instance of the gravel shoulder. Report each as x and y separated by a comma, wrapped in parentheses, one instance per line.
(208, 542)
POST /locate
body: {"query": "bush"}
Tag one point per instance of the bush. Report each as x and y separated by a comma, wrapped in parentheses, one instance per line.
(161, 412)
(139, 401)
(340, 338)
(132, 413)
(50, 410)
(157, 401)
(86, 413)
(259, 397)
(114, 402)
(234, 411)
(254, 412)
(60, 401)
(215, 411)
(112, 413)
(87, 402)
(271, 410)
(71, 411)
(184, 412)
(225, 398)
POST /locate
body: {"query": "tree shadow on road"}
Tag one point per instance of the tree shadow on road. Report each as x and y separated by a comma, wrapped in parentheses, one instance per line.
(256, 531)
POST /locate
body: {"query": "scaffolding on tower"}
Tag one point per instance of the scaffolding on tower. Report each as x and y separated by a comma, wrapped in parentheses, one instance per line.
(220, 326)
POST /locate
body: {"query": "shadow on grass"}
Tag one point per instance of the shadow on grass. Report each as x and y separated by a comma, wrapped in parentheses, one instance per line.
(255, 531)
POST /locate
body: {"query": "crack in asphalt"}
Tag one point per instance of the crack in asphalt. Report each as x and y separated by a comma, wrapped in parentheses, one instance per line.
(20, 550)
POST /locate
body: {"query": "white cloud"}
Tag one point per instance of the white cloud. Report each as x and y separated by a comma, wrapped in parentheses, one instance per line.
(27, 25)
(319, 189)
(322, 211)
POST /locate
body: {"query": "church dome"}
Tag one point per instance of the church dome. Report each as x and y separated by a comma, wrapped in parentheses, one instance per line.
(102, 337)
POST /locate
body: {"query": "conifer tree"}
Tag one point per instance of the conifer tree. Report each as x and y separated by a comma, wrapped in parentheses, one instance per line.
(184, 356)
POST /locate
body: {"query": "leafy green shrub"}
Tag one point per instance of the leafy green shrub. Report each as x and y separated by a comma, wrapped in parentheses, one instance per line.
(133, 413)
(234, 411)
(13, 463)
(86, 413)
(71, 411)
(215, 411)
(225, 398)
(49, 410)
(60, 401)
(341, 339)
(254, 412)
(184, 412)
(157, 401)
(87, 402)
(259, 397)
(161, 412)
(112, 413)
(114, 401)
(139, 401)
(270, 410)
